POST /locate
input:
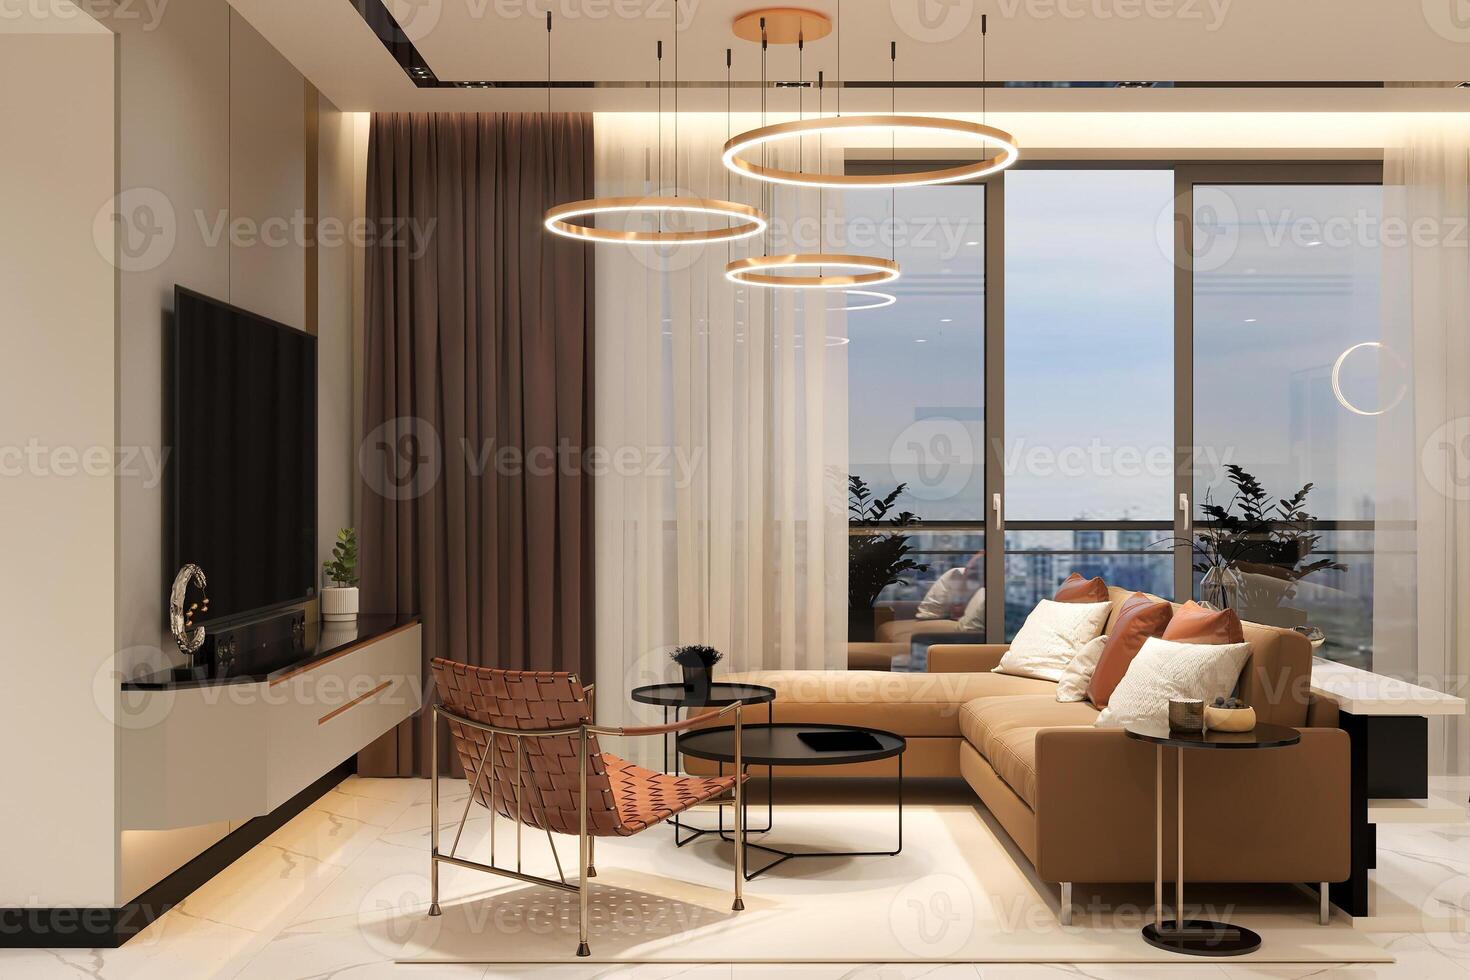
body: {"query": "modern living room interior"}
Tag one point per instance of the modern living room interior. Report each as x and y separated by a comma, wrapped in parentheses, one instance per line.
(649, 488)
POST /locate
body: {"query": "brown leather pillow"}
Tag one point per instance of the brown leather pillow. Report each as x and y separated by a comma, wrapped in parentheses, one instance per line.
(1079, 589)
(1139, 618)
(1193, 623)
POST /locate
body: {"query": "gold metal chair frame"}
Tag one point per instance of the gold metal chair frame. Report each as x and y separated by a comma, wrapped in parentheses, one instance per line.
(585, 840)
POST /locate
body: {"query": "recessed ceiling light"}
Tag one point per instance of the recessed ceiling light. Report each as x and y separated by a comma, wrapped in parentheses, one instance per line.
(946, 319)
(972, 244)
(1314, 243)
(1250, 319)
(920, 340)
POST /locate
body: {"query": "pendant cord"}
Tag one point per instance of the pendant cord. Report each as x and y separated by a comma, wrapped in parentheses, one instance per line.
(984, 78)
(548, 67)
(892, 149)
(659, 152)
(766, 192)
(839, 59)
(676, 98)
(821, 163)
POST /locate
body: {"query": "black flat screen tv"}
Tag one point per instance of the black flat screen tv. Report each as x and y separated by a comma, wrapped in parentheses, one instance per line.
(244, 456)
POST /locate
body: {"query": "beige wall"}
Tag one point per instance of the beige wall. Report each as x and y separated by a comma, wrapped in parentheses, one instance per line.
(213, 131)
(57, 843)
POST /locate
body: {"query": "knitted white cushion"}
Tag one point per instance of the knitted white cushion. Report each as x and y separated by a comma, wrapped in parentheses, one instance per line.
(1164, 670)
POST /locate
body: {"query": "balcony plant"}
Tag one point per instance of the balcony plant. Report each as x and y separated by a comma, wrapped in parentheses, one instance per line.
(877, 557)
(1255, 533)
(339, 600)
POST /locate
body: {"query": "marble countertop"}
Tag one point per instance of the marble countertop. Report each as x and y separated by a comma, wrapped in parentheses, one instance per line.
(1362, 692)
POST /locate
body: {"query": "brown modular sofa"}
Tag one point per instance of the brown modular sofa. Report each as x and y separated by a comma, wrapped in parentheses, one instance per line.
(1078, 800)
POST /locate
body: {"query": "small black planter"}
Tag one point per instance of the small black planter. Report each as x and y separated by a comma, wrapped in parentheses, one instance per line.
(697, 680)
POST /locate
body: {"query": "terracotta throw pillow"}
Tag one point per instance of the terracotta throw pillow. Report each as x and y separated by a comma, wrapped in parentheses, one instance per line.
(1139, 618)
(1193, 623)
(1079, 589)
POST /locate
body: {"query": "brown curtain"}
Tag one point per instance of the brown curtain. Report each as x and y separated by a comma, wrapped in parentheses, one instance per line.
(477, 400)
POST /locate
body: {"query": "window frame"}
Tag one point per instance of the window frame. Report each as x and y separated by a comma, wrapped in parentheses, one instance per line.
(1187, 174)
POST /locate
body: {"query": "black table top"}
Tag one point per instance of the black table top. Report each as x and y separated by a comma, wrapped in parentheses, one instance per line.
(720, 695)
(322, 640)
(1260, 737)
(779, 745)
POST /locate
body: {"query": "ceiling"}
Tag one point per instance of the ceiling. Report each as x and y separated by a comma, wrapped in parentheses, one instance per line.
(603, 53)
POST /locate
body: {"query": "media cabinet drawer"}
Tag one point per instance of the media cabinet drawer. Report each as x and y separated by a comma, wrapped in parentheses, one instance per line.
(234, 751)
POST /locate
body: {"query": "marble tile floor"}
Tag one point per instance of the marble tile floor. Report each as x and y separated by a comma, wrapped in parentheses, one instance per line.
(328, 858)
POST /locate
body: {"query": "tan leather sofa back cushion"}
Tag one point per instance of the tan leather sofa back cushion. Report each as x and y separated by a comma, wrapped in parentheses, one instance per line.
(1079, 589)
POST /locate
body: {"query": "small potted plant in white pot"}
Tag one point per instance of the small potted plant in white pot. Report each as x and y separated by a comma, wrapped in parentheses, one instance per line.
(339, 600)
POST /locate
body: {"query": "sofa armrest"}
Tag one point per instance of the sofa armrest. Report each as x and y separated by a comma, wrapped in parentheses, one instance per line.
(1259, 815)
(965, 657)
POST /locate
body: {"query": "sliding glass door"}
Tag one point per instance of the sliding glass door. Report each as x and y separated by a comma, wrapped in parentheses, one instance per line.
(1289, 379)
(1089, 381)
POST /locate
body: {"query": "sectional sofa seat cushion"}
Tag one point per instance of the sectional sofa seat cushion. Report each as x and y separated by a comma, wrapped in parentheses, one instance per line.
(912, 705)
(1193, 623)
(1003, 730)
(1165, 670)
(1138, 618)
(1079, 589)
(1052, 635)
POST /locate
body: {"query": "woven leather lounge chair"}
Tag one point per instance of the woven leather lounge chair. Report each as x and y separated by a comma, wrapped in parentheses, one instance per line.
(535, 731)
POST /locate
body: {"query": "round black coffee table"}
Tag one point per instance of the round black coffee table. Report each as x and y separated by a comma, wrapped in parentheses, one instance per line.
(676, 697)
(1196, 937)
(782, 745)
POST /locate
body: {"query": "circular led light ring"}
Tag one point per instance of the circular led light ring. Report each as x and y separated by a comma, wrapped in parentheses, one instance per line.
(1008, 154)
(560, 220)
(1337, 386)
(880, 300)
(762, 270)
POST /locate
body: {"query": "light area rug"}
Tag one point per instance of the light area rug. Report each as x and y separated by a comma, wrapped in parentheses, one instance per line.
(958, 892)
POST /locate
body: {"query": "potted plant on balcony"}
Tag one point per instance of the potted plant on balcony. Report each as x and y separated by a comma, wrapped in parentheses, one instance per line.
(877, 556)
(1243, 556)
(339, 600)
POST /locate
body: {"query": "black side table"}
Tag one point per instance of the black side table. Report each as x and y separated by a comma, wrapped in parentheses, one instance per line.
(676, 697)
(1196, 937)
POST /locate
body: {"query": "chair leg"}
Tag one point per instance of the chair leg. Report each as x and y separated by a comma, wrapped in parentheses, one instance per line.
(592, 858)
(1066, 906)
(584, 847)
(1324, 904)
(434, 812)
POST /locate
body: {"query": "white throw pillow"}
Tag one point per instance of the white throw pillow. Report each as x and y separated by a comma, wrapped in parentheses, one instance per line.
(973, 619)
(942, 595)
(1164, 670)
(1073, 685)
(1052, 635)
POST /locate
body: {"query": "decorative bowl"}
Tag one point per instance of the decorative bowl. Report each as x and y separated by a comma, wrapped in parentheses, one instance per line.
(1229, 719)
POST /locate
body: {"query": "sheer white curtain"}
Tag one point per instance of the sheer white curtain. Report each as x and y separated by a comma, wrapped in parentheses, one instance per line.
(1422, 562)
(722, 417)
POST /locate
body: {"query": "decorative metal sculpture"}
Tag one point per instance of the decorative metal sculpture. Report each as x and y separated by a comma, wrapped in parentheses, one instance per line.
(180, 619)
